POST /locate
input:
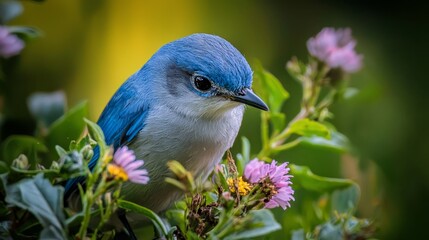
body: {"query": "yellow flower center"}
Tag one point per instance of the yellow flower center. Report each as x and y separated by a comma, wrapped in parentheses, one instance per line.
(117, 172)
(242, 186)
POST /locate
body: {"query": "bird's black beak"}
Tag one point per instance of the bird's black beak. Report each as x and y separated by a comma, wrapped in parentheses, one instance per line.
(247, 96)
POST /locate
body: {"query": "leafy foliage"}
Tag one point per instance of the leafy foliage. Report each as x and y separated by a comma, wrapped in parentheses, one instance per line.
(34, 170)
(44, 201)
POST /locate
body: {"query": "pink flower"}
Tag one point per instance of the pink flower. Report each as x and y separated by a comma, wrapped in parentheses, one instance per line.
(273, 177)
(126, 167)
(10, 45)
(253, 169)
(336, 49)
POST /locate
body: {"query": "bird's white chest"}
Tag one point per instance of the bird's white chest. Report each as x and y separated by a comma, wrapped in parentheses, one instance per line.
(198, 144)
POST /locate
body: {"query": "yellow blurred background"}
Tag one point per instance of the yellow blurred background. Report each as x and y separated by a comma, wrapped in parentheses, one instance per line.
(98, 45)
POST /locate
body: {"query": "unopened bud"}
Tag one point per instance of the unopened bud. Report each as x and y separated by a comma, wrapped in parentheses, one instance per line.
(72, 162)
(293, 67)
(21, 162)
(55, 165)
(87, 152)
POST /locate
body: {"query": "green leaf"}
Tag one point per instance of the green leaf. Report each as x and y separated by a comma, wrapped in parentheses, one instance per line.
(43, 200)
(303, 177)
(245, 149)
(345, 200)
(278, 120)
(308, 128)
(26, 32)
(95, 131)
(60, 151)
(15, 145)
(337, 142)
(156, 220)
(69, 127)
(269, 88)
(243, 158)
(176, 217)
(256, 223)
(3, 167)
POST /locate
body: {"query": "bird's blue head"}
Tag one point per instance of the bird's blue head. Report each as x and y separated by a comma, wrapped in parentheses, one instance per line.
(204, 71)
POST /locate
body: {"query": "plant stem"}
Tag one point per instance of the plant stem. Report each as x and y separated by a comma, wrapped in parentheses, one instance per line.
(87, 213)
(287, 145)
(312, 85)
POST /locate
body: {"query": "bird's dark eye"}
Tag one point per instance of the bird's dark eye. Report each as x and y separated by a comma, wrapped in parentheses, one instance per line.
(202, 83)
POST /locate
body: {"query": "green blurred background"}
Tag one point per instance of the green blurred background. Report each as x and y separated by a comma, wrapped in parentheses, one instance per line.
(89, 48)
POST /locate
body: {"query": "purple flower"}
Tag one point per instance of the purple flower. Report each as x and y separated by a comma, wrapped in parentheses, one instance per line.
(274, 178)
(336, 49)
(10, 45)
(126, 167)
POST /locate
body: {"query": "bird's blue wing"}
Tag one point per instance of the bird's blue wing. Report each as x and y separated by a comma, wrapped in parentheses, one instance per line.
(121, 121)
(120, 131)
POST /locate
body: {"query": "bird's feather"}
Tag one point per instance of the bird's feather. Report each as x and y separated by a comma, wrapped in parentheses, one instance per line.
(161, 115)
(121, 121)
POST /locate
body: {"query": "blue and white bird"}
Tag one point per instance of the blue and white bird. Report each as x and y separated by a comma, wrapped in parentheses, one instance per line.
(186, 103)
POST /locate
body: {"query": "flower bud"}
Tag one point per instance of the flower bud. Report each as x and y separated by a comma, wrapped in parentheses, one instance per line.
(71, 163)
(55, 165)
(87, 152)
(21, 162)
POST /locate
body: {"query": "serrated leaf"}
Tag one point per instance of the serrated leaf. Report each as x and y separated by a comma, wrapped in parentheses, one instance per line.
(256, 223)
(43, 200)
(308, 128)
(68, 127)
(337, 142)
(15, 145)
(269, 88)
(303, 177)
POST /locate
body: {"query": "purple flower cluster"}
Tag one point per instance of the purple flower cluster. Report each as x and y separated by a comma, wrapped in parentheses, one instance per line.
(336, 49)
(126, 160)
(282, 193)
(10, 45)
